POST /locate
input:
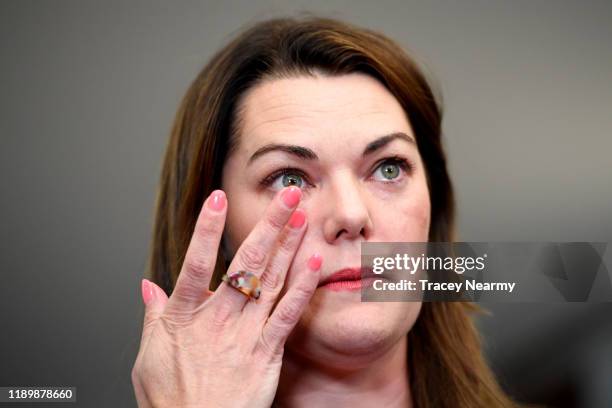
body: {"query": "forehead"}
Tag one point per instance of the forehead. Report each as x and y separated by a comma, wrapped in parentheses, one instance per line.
(319, 109)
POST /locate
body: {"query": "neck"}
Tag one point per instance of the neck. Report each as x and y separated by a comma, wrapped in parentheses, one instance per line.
(384, 382)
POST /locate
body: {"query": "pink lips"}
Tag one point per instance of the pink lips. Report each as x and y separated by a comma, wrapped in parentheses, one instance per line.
(347, 279)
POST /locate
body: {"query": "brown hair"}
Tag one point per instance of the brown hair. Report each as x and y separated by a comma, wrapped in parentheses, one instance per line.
(446, 365)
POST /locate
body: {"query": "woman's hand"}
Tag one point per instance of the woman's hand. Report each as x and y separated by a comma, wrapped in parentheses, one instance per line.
(202, 348)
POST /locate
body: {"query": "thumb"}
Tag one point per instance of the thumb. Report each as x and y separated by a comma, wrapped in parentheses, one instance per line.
(155, 300)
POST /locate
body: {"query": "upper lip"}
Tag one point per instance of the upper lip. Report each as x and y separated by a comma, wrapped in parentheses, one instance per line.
(347, 274)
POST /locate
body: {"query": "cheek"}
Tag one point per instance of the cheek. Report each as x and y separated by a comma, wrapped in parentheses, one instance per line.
(408, 219)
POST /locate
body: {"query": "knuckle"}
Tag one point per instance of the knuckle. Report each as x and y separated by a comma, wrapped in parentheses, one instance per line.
(208, 227)
(253, 257)
(267, 345)
(148, 324)
(269, 300)
(276, 221)
(306, 291)
(135, 373)
(176, 317)
(138, 371)
(303, 292)
(289, 314)
(270, 280)
(287, 245)
(285, 239)
(220, 319)
(199, 265)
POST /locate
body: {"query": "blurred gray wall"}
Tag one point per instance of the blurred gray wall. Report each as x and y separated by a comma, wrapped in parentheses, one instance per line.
(89, 90)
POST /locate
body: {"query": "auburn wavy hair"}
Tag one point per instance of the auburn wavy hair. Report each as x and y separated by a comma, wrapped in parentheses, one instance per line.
(446, 365)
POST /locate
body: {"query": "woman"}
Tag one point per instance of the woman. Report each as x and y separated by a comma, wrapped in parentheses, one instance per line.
(299, 140)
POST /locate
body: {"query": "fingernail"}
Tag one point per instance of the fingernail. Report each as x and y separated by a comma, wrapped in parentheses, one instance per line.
(297, 219)
(291, 196)
(217, 200)
(315, 261)
(147, 291)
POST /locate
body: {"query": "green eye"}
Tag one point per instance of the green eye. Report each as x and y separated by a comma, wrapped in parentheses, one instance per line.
(292, 179)
(390, 170)
(285, 177)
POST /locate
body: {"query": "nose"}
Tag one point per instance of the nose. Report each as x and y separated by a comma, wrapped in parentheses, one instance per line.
(347, 213)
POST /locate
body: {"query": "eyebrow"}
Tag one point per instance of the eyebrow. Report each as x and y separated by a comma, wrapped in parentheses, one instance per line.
(308, 154)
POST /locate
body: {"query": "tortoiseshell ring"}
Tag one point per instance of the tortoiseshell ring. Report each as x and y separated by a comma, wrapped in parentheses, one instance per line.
(245, 282)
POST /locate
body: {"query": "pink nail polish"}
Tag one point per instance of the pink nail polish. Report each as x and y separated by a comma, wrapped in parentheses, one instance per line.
(147, 291)
(217, 200)
(297, 219)
(315, 261)
(291, 196)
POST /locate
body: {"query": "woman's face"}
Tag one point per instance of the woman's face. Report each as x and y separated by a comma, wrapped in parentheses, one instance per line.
(350, 194)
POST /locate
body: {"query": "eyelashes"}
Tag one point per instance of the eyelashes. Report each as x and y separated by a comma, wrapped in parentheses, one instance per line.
(283, 172)
(403, 163)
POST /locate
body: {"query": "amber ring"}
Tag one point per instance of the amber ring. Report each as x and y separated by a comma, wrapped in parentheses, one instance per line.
(245, 282)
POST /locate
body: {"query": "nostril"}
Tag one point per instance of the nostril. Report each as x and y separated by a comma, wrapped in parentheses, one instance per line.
(361, 232)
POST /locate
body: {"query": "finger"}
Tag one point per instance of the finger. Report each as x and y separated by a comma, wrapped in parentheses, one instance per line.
(155, 300)
(254, 253)
(291, 306)
(192, 284)
(273, 278)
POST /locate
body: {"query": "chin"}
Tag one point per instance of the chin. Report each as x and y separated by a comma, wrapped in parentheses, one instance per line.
(351, 333)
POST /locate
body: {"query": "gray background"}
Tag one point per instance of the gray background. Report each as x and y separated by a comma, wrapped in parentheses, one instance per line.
(89, 90)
